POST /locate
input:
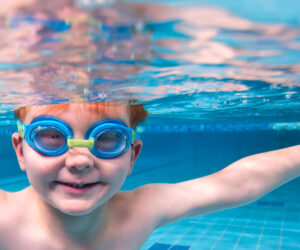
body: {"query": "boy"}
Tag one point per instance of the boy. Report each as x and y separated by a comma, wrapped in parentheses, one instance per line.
(77, 156)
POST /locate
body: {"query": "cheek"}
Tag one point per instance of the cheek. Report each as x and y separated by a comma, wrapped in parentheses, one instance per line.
(37, 166)
(117, 168)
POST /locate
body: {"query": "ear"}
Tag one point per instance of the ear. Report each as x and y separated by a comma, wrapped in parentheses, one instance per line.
(136, 148)
(17, 143)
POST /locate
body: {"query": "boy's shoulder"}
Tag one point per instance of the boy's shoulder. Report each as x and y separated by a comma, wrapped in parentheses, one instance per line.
(3, 196)
(5, 201)
(6, 208)
(12, 203)
(142, 205)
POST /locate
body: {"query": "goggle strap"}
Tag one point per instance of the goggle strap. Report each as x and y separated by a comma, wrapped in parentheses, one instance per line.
(21, 129)
(74, 143)
(134, 131)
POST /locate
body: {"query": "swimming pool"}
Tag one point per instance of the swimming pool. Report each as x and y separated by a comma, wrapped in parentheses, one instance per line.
(217, 89)
(272, 222)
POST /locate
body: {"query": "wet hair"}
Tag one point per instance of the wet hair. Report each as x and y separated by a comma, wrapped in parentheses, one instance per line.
(137, 112)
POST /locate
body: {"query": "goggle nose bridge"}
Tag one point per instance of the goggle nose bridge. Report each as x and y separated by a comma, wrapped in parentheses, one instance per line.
(75, 143)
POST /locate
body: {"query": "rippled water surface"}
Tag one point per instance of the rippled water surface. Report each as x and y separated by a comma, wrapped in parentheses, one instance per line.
(203, 61)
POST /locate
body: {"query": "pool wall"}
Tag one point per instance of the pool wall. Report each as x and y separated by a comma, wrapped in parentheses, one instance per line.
(173, 157)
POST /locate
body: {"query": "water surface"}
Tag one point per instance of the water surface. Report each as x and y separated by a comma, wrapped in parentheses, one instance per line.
(199, 62)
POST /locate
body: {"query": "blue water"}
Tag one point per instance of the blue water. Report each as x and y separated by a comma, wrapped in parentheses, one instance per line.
(219, 78)
(269, 223)
(272, 222)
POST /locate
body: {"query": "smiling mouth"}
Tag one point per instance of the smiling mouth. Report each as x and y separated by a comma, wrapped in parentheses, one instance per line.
(79, 186)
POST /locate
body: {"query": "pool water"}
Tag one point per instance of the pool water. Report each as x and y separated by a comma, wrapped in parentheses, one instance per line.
(272, 222)
(219, 78)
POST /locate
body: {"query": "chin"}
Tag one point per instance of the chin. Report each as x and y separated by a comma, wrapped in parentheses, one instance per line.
(74, 209)
(76, 213)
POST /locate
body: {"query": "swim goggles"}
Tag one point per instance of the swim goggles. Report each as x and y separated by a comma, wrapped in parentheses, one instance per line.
(52, 137)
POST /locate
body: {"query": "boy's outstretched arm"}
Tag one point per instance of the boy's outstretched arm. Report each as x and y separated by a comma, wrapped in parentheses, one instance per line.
(240, 183)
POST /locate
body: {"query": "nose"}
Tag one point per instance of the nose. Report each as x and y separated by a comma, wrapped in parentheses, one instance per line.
(79, 160)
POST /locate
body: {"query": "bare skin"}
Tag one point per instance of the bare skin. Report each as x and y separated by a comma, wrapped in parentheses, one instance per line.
(118, 226)
(45, 217)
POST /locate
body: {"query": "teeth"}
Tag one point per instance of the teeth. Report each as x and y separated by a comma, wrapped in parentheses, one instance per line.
(74, 185)
(77, 185)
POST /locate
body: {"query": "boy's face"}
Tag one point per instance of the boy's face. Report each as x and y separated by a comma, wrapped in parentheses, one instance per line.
(78, 165)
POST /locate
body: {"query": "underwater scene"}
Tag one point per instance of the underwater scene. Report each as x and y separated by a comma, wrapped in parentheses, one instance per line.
(220, 80)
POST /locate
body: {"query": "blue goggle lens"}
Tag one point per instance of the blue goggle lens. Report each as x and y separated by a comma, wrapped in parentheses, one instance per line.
(50, 139)
(111, 141)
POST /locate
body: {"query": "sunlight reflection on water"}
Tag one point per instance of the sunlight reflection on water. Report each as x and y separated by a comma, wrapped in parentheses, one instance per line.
(205, 61)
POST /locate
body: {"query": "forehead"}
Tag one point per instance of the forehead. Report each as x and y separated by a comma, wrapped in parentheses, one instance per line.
(83, 113)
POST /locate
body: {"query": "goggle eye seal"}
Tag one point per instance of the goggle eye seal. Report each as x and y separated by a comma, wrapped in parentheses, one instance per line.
(42, 124)
(49, 140)
(110, 126)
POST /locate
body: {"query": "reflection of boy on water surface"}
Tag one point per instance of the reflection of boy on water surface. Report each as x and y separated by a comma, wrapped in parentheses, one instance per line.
(77, 156)
(123, 39)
